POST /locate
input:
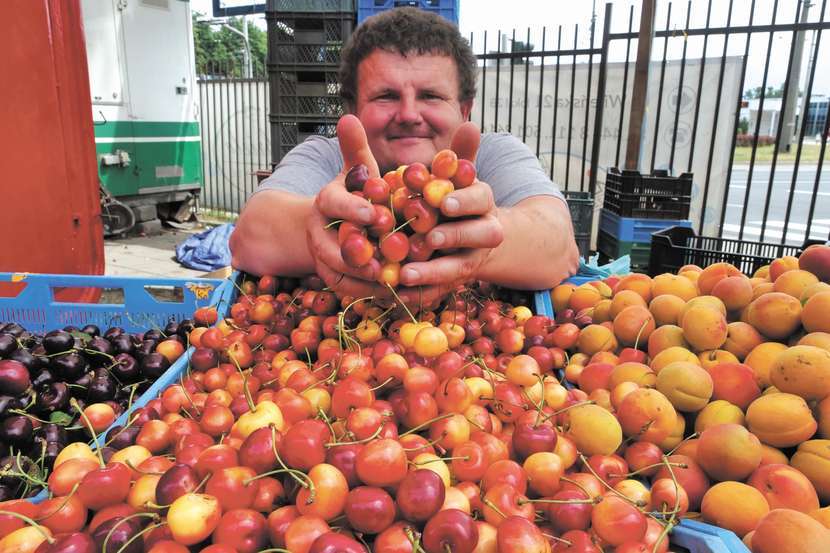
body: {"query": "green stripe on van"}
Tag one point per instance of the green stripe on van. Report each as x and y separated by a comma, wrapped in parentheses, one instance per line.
(146, 128)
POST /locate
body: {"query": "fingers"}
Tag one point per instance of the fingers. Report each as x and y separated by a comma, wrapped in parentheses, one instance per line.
(476, 199)
(325, 250)
(335, 202)
(466, 140)
(344, 285)
(481, 232)
(355, 146)
(443, 271)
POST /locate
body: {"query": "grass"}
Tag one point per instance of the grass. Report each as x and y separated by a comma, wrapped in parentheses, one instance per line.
(764, 154)
(207, 215)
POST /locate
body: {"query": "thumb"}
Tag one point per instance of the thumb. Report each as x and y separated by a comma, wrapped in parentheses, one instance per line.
(466, 140)
(355, 146)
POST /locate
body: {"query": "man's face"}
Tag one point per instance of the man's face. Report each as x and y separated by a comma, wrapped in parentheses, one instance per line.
(409, 106)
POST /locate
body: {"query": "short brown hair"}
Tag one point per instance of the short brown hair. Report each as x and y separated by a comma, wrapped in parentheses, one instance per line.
(405, 31)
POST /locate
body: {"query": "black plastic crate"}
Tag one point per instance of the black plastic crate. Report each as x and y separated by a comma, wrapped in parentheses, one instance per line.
(287, 134)
(581, 206)
(311, 6)
(308, 28)
(610, 248)
(657, 196)
(296, 57)
(674, 247)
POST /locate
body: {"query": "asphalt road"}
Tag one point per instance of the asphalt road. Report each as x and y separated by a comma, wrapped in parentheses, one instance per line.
(802, 196)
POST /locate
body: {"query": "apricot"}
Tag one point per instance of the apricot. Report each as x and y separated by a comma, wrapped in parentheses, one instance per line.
(647, 415)
(666, 308)
(761, 289)
(813, 459)
(595, 376)
(594, 338)
(623, 299)
(775, 315)
(785, 488)
(670, 355)
(602, 311)
(675, 436)
(728, 452)
(762, 272)
(735, 382)
(816, 259)
(709, 359)
(762, 359)
(619, 392)
(817, 339)
(560, 296)
(583, 297)
(741, 338)
(781, 420)
(594, 430)
(688, 448)
(822, 412)
(781, 265)
(816, 313)
(718, 412)
(812, 290)
(665, 337)
(734, 506)
(674, 285)
(691, 275)
(713, 274)
(789, 531)
(771, 455)
(637, 282)
(804, 371)
(704, 328)
(822, 515)
(701, 301)
(734, 291)
(686, 385)
(794, 282)
(640, 374)
(633, 325)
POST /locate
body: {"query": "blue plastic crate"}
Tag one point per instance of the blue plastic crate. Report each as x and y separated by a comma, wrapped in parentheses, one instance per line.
(699, 537)
(30, 300)
(633, 229)
(447, 9)
(34, 307)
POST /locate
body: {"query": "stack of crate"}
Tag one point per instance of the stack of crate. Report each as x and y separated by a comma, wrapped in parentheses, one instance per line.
(637, 205)
(305, 38)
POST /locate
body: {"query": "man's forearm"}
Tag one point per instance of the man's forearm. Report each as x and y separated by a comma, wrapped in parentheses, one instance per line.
(538, 250)
(270, 235)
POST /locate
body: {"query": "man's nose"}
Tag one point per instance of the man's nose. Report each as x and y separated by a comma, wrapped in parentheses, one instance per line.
(408, 111)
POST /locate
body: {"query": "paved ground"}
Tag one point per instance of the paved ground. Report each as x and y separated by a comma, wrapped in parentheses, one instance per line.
(147, 255)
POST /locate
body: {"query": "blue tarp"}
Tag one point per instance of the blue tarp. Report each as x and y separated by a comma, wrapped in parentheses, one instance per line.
(206, 251)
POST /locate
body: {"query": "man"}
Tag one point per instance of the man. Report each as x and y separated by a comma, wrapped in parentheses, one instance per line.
(408, 80)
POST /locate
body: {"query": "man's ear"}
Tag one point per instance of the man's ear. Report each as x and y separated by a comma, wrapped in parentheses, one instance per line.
(466, 109)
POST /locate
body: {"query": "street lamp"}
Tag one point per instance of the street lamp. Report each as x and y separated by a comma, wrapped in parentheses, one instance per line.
(246, 54)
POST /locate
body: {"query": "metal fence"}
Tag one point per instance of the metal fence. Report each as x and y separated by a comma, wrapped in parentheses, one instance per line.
(567, 93)
(236, 141)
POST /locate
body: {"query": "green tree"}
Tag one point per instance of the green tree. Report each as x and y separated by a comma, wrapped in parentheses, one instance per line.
(220, 51)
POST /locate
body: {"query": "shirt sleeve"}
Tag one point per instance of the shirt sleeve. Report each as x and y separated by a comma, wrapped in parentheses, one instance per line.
(512, 171)
(307, 168)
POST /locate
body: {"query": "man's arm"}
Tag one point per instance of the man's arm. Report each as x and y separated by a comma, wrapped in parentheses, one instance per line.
(538, 250)
(270, 235)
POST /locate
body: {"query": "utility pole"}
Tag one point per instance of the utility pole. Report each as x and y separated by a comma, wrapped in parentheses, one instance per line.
(638, 95)
(794, 77)
(246, 52)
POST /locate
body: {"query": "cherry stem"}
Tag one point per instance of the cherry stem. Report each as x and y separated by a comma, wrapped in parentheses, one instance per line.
(325, 418)
(639, 333)
(648, 467)
(245, 390)
(692, 436)
(306, 481)
(139, 534)
(577, 404)
(561, 501)
(639, 504)
(130, 464)
(413, 539)
(582, 488)
(271, 473)
(560, 540)
(493, 506)
(428, 461)
(63, 503)
(374, 435)
(154, 516)
(663, 535)
(384, 383)
(49, 539)
(74, 403)
(333, 223)
(399, 300)
(274, 550)
(424, 446)
(187, 395)
(427, 423)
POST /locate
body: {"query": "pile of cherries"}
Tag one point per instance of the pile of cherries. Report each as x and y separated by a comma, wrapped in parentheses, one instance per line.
(407, 204)
(305, 424)
(47, 380)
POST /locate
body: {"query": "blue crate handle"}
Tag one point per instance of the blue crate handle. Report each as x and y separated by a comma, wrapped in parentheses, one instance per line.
(699, 537)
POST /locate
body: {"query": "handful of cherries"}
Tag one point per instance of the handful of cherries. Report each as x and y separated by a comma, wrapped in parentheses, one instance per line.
(407, 204)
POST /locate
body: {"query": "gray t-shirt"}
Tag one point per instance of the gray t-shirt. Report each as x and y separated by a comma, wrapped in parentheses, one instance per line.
(503, 162)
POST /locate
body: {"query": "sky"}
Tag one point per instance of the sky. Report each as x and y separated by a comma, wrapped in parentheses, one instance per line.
(477, 16)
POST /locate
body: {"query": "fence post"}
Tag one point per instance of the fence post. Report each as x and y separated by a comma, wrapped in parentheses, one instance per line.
(606, 39)
(638, 96)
